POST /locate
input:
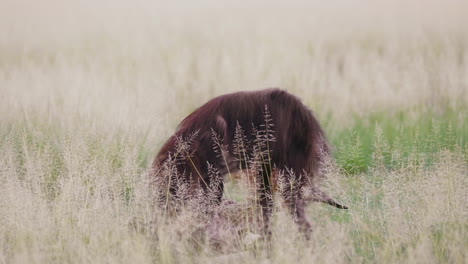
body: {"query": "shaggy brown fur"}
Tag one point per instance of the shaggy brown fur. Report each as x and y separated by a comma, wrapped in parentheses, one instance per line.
(238, 127)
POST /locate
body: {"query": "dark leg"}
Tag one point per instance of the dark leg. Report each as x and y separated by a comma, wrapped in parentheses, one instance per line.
(266, 204)
(301, 219)
(296, 207)
(265, 201)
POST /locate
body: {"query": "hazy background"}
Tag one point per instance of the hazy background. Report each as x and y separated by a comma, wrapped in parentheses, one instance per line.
(145, 63)
(89, 90)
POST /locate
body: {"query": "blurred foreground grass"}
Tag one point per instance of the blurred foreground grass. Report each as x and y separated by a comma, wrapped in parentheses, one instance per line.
(69, 195)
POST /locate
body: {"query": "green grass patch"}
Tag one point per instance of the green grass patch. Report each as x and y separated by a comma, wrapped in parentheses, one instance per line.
(396, 140)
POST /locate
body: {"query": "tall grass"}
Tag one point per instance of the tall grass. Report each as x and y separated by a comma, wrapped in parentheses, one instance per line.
(79, 197)
(89, 91)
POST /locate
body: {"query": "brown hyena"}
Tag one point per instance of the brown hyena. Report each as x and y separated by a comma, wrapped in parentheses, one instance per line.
(268, 132)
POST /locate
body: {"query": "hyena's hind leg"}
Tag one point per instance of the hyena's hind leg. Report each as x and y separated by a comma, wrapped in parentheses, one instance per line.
(293, 198)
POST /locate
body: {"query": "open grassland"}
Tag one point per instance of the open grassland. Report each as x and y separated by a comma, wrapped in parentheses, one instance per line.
(89, 92)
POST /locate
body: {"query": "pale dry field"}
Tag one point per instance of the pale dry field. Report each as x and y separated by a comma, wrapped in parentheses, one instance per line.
(90, 90)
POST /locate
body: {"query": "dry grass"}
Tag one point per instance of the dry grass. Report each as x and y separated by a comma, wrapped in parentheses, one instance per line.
(89, 91)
